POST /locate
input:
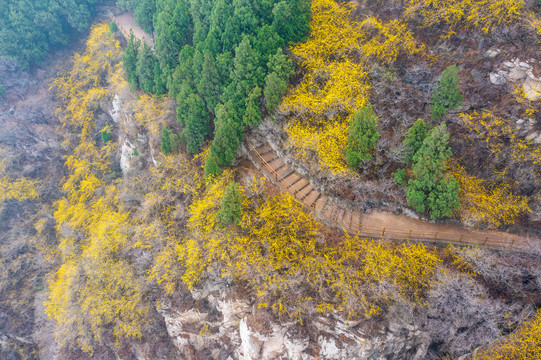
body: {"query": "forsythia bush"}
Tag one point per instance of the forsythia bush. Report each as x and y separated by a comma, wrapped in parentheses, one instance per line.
(492, 206)
(20, 189)
(523, 344)
(94, 287)
(278, 252)
(483, 15)
(336, 81)
(500, 135)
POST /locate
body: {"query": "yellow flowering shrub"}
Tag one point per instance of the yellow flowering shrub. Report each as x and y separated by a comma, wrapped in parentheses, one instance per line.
(336, 81)
(492, 206)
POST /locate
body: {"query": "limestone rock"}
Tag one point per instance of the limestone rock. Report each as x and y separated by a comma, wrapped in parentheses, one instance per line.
(125, 156)
(497, 79)
(116, 111)
(492, 52)
(532, 89)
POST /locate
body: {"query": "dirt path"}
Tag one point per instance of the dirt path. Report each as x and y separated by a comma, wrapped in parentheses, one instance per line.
(126, 22)
(335, 213)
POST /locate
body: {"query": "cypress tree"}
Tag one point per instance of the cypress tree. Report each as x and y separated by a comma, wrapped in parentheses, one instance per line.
(130, 61)
(196, 122)
(252, 115)
(169, 140)
(362, 137)
(432, 189)
(145, 68)
(277, 81)
(212, 169)
(231, 206)
(209, 85)
(447, 95)
(227, 135)
(414, 139)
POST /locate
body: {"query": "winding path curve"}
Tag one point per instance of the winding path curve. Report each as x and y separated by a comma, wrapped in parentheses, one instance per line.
(381, 225)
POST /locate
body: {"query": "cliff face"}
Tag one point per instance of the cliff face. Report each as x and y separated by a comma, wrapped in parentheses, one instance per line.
(32, 147)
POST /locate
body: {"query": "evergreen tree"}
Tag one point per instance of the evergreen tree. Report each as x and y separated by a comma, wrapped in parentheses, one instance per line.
(362, 137)
(196, 122)
(144, 14)
(169, 140)
(145, 68)
(183, 111)
(182, 75)
(414, 139)
(29, 28)
(447, 95)
(291, 20)
(231, 206)
(130, 60)
(227, 135)
(159, 81)
(252, 115)
(173, 30)
(113, 27)
(209, 85)
(212, 169)
(432, 189)
(245, 17)
(267, 42)
(246, 74)
(277, 80)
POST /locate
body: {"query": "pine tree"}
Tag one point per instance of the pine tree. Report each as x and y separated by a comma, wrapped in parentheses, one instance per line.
(277, 81)
(227, 135)
(130, 61)
(212, 169)
(231, 206)
(252, 115)
(447, 95)
(159, 82)
(173, 30)
(414, 139)
(362, 137)
(145, 68)
(169, 140)
(209, 85)
(432, 189)
(197, 126)
(246, 74)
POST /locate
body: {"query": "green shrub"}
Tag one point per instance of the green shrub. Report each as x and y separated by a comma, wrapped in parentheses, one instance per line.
(212, 169)
(105, 136)
(432, 188)
(447, 94)
(169, 140)
(362, 137)
(231, 206)
(113, 27)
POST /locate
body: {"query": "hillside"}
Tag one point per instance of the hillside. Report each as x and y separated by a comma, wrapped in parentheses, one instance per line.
(274, 180)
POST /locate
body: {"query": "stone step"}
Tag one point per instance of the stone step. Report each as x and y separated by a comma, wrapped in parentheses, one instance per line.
(312, 198)
(299, 185)
(284, 173)
(356, 221)
(291, 180)
(264, 149)
(301, 194)
(268, 157)
(276, 164)
(331, 209)
(321, 203)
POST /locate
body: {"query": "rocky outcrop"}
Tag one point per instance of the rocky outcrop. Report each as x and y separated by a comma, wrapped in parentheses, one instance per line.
(518, 71)
(231, 328)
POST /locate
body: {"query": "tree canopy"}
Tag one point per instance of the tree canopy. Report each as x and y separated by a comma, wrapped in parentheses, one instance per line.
(212, 53)
(29, 29)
